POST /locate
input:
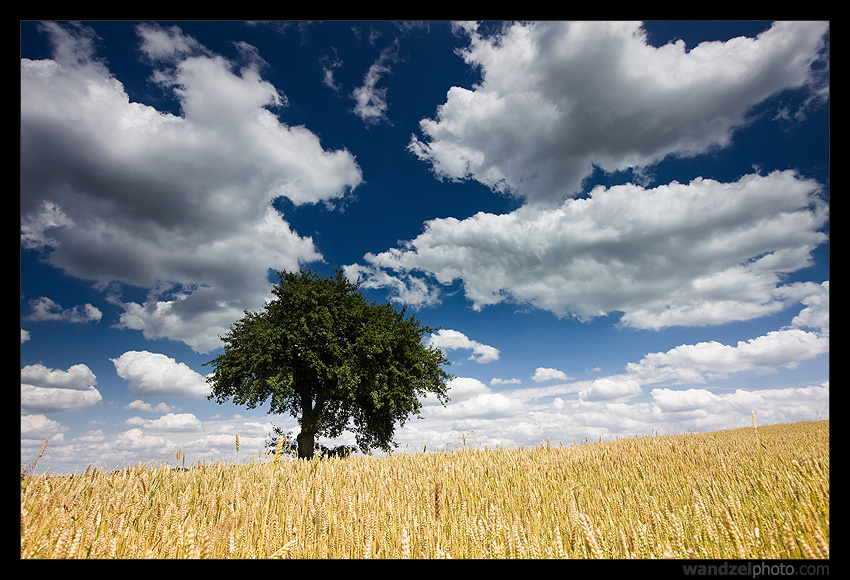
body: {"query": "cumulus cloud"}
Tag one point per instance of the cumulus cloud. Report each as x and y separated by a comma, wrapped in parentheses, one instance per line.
(404, 286)
(462, 388)
(169, 422)
(114, 190)
(44, 308)
(485, 405)
(608, 389)
(134, 440)
(140, 405)
(698, 253)
(498, 381)
(452, 339)
(672, 401)
(816, 312)
(609, 408)
(38, 427)
(547, 374)
(687, 364)
(153, 374)
(472, 399)
(78, 377)
(560, 98)
(698, 363)
(707, 410)
(45, 390)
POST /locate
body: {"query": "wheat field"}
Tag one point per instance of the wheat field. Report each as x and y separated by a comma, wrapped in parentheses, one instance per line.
(760, 492)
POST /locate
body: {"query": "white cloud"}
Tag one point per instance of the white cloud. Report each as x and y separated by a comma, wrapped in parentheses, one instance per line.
(370, 100)
(472, 399)
(35, 225)
(547, 374)
(484, 405)
(51, 400)
(718, 252)
(329, 63)
(558, 98)
(140, 405)
(406, 288)
(672, 401)
(38, 428)
(498, 381)
(609, 409)
(117, 191)
(462, 388)
(452, 339)
(706, 410)
(78, 377)
(608, 389)
(166, 43)
(45, 390)
(173, 422)
(816, 313)
(136, 439)
(687, 364)
(152, 374)
(697, 363)
(44, 308)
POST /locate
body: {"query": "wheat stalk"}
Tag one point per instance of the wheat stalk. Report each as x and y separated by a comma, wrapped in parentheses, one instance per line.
(771, 501)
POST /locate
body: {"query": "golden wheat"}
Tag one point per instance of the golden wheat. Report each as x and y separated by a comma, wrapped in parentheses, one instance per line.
(744, 493)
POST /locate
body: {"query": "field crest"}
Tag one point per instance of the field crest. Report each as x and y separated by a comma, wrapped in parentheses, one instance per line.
(745, 493)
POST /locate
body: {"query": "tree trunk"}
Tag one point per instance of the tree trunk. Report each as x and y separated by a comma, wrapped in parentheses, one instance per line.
(306, 444)
(310, 417)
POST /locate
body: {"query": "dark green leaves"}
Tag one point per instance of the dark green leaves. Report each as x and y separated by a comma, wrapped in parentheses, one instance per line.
(321, 352)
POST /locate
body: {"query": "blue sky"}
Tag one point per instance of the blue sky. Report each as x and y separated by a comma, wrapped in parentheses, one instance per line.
(620, 228)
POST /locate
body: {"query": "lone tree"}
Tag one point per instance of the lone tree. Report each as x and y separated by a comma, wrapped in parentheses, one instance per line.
(331, 359)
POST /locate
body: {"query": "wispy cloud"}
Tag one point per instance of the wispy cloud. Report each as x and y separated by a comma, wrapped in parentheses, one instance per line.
(370, 100)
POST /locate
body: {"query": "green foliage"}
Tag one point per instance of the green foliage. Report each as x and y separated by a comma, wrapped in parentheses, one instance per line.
(322, 353)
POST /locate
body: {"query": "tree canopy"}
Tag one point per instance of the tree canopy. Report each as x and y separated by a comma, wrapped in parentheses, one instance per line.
(336, 362)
